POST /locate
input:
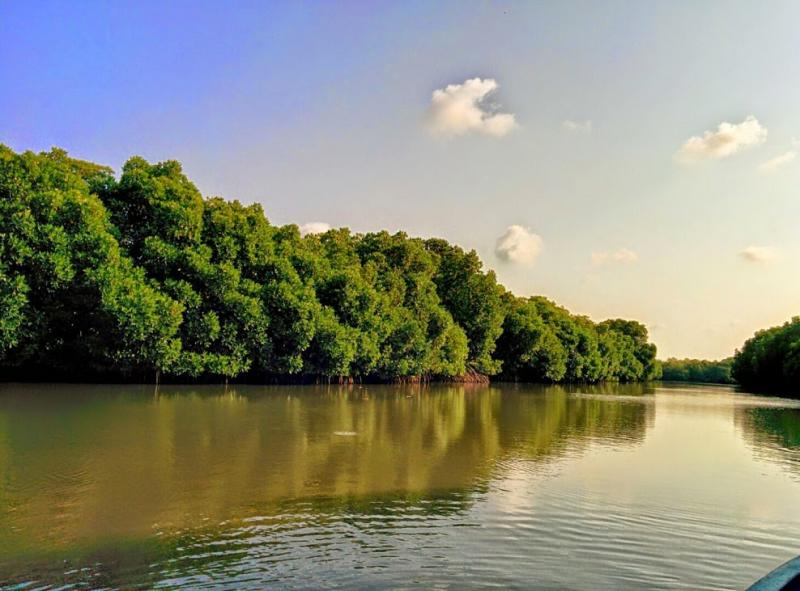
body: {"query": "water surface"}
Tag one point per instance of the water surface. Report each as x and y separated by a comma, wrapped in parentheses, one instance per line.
(613, 487)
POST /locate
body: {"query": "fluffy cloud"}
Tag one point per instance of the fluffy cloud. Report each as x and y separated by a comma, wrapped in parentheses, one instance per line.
(314, 228)
(577, 127)
(726, 141)
(458, 109)
(759, 254)
(772, 165)
(518, 245)
(622, 256)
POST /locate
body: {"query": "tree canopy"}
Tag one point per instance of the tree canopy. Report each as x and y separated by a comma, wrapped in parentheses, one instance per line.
(697, 370)
(770, 358)
(140, 275)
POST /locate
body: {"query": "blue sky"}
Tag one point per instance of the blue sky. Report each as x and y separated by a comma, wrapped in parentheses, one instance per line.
(322, 112)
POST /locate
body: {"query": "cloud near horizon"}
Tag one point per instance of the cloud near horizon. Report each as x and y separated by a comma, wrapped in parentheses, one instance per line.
(623, 256)
(774, 164)
(759, 254)
(458, 109)
(518, 244)
(577, 127)
(728, 139)
(314, 228)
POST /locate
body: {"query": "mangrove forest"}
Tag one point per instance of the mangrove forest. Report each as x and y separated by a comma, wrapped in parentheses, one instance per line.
(771, 358)
(138, 276)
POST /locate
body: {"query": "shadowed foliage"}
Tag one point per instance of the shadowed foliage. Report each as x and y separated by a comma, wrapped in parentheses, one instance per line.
(770, 358)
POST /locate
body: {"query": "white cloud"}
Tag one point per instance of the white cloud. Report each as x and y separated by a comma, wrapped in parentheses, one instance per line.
(577, 127)
(518, 245)
(726, 141)
(759, 254)
(458, 109)
(622, 256)
(774, 164)
(314, 228)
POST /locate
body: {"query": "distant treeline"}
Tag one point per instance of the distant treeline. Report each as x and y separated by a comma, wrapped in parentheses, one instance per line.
(697, 370)
(771, 358)
(140, 276)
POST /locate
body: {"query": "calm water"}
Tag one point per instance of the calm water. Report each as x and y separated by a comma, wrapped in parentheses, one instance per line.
(396, 487)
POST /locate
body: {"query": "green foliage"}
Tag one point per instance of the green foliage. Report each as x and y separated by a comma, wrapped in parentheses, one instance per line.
(13, 301)
(139, 322)
(71, 300)
(154, 200)
(473, 298)
(142, 275)
(634, 335)
(204, 255)
(697, 370)
(545, 343)
(771, 358)
(529, 348)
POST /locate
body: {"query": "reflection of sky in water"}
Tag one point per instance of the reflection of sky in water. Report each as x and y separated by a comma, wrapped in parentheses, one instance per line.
(606, 487)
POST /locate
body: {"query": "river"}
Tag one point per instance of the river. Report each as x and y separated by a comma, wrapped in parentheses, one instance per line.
(401, 487)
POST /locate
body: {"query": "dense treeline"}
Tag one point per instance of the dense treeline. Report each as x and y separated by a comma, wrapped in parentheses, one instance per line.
(697, 370)
(140, 275)
(771, 358)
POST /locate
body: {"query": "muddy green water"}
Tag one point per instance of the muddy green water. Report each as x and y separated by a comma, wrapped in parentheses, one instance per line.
(529, 487)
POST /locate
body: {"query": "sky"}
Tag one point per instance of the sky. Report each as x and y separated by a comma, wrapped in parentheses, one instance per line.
(625, 159)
